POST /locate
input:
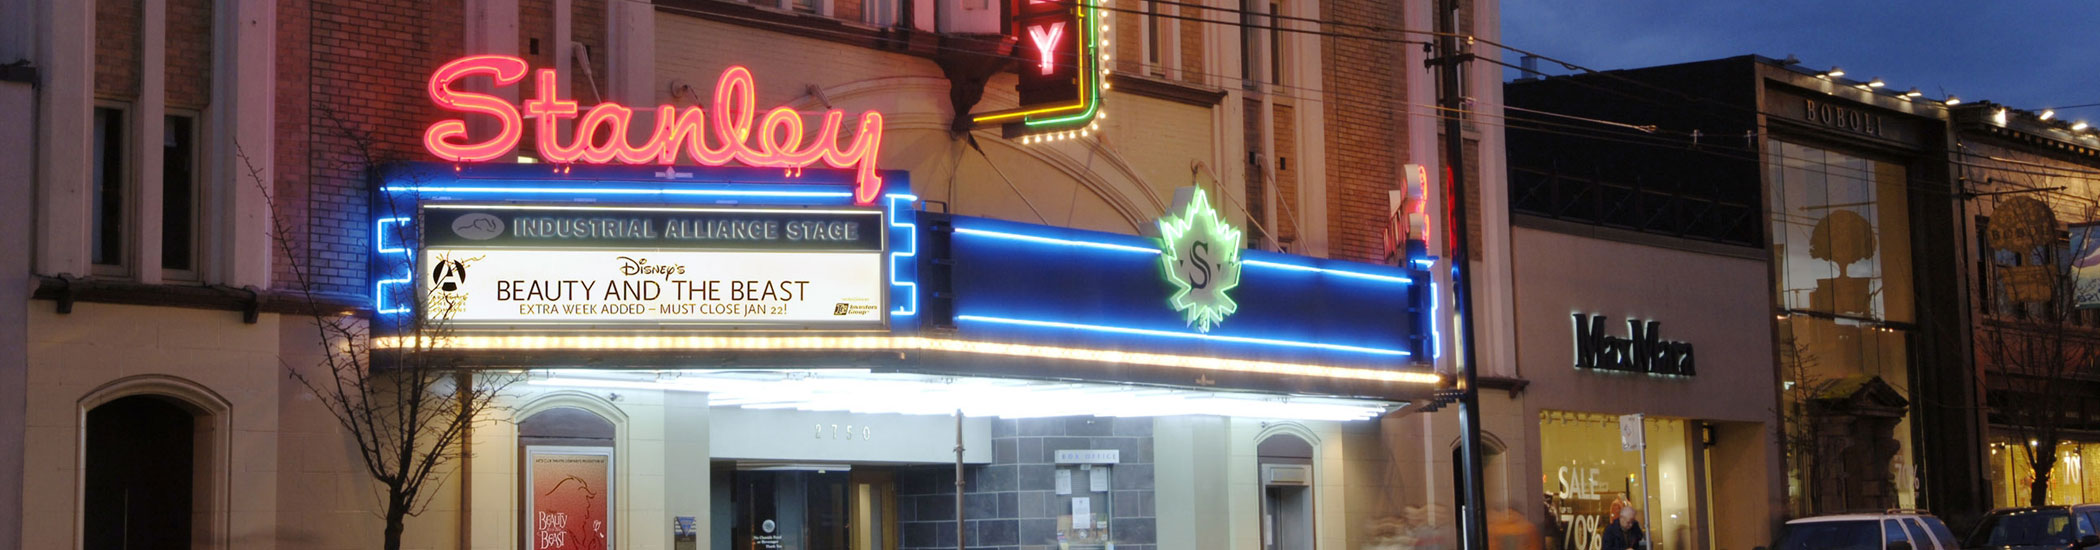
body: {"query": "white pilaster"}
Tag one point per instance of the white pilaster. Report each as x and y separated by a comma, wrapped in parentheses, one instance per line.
(65, 135)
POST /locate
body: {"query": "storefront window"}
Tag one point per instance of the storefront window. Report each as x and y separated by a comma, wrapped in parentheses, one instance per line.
(1840, 234)
(1841, 246)
(2069, 482)
(1589, 475)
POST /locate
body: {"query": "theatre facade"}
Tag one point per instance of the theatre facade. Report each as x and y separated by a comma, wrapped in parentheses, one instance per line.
(748, 358)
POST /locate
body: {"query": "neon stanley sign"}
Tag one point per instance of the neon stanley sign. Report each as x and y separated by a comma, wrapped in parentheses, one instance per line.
(779, 136)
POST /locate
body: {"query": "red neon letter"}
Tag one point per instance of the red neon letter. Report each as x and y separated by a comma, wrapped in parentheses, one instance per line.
(549, 109)
(867, 146)
(439, 137)
(1045, 42)
(781, 134)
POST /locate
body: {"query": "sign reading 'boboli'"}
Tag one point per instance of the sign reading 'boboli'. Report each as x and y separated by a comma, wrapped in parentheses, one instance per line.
(1642, 350)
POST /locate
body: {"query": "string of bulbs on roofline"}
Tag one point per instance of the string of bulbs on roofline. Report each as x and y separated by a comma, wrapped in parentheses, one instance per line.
(1875, 85)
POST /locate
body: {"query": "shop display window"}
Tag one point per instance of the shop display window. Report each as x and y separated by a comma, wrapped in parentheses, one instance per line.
(1840, 233)
(1840, 229)
(1589, 476)
(2070, 482)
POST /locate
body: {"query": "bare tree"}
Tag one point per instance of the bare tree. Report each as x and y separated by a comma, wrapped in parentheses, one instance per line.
(406, 404)
(2037, 351)
(1801, 386)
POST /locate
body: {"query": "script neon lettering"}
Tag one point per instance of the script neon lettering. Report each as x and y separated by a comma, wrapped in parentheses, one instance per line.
(1045, 42)
(782, 138)
(440, 138)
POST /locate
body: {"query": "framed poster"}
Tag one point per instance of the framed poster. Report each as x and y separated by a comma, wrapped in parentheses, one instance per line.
(568, 500)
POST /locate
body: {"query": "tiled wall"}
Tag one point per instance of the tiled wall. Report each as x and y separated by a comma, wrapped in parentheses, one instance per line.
(1011, 504)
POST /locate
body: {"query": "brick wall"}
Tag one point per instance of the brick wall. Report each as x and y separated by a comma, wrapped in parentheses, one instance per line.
(1256, 181)
(1286, 163)
(1365, 129)
(587, 26)
(1192, 46)
(849, 10)
(1012, 503)
(117, 49)
(189, 54)
(1129, 39)
(363, 65)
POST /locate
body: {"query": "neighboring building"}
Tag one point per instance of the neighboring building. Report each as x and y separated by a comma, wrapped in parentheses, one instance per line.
(1838, 190)
(207, 173)
(2032, 349)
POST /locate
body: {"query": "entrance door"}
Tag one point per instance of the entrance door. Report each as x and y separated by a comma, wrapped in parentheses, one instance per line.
(807, 507)
(1286, 466)
(1289, 518)
(138, 487)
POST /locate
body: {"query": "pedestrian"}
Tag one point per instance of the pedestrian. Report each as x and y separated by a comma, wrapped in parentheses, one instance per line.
(1624, 533)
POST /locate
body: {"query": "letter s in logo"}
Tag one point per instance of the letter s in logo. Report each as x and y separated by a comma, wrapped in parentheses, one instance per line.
(1199, 256)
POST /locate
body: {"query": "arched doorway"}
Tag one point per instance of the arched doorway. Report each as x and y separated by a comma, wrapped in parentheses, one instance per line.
(569, 479)
(140, 480)
(1287, 492)
(1494, 478)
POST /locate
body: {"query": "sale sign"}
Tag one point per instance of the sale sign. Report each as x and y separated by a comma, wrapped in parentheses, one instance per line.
(569, 506)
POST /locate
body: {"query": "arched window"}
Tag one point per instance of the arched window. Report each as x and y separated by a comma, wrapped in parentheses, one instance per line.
(141, 477)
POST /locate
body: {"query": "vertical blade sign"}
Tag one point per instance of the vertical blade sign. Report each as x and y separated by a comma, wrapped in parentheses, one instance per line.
(1050, 37)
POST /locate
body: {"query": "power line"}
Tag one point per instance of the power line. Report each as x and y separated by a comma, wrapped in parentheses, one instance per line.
(1567, 130)
(1245, 13)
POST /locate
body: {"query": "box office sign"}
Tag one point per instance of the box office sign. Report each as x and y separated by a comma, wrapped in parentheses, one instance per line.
(699, 267)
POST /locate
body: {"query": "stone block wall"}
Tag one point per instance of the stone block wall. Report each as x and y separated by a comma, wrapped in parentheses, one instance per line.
(1012, 503)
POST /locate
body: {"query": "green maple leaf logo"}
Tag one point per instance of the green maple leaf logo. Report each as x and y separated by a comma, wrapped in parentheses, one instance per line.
(1200, 256)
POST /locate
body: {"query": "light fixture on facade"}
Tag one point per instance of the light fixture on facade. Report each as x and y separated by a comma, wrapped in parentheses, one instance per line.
(1952, 100)
(1193, 363)
(2078, 126)
(1876, 83)
(865, 392)
(1999, 117)
(1913, 93)
(2048, 114)
(1834, 72)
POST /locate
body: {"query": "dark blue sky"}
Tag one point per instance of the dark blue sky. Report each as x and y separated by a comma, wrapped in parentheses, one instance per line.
(2028, 54)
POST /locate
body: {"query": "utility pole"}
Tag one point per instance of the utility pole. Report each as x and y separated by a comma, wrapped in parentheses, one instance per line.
(1451, 53)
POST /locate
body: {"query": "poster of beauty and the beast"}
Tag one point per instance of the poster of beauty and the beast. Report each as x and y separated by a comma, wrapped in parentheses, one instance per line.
(569, 507)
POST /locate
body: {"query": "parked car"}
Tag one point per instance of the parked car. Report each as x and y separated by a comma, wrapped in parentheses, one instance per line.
(1889, 530)
(2038, 528)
